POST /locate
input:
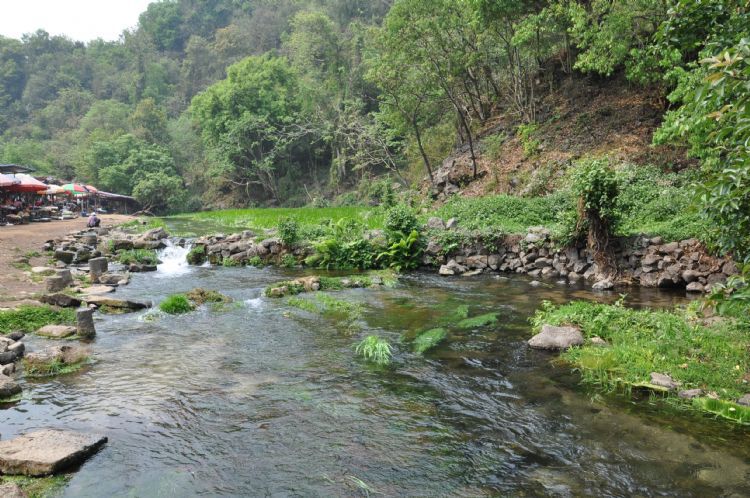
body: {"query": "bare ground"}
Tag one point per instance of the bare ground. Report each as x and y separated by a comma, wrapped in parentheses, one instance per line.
(16, 241)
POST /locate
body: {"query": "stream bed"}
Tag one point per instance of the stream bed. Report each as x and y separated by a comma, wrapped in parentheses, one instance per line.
(263, 399)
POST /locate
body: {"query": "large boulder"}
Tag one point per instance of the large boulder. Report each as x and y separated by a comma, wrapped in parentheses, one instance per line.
(66, 257)
(8, 387)
(556, 338)
(97, 267)
(141, 267)
(47, 451)
(85, 323)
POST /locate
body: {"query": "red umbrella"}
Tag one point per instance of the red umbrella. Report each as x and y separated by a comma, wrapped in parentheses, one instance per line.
(75, 189)
(27, 183)
(7, 180)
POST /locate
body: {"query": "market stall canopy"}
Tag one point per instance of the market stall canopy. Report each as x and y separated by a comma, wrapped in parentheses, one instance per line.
(27, 183)
(91, 189)
(75, 189)
(7, 181)
(14, 168)
(53, 190)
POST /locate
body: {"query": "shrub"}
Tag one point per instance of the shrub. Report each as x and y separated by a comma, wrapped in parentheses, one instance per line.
(528, 142)
(289, 231)
(400, 219)
(141, 256)
(255, 261)
(288, 261)
(375, 349)
(404, 254)
(176, 304)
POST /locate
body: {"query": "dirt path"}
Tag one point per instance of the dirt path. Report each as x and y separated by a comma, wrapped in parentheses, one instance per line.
(20, 240)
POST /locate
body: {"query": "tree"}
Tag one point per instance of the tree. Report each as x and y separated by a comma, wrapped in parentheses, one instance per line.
(149, 122)
(158, 191)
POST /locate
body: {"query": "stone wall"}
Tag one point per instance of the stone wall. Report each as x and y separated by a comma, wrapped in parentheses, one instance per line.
(649, 262)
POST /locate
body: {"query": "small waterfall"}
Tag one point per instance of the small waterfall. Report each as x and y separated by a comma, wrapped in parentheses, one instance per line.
(173, 260)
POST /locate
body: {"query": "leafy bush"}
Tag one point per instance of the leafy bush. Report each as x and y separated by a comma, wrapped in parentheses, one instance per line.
(31, 318)
(289, 231)
(288, 261)
(429, 339)
(401, 220)
(375, 349)
(140, 256)
(528, 142)
(176, 304)
(404, 254)
(255, 261)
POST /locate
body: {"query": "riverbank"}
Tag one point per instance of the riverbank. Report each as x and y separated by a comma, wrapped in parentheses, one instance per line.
(21, 249)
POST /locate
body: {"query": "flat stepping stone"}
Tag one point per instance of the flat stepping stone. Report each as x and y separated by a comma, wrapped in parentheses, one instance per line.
(57, 331)
(46, 452)
(97, 289)
(42, 270)
(116, 303)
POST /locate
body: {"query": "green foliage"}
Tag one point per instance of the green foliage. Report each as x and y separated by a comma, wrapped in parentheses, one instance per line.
(429, 339)
(200, 296)
(303, 304)
(733, 298)
(289, 231)
(141, 256)
(230, 263)
(255, 261)
(404, 254)
(725, 409)
(400, 219)
(713, 357)
(176, 304)
(39, 487)
(31, 318)
(288, 261)
(375, 349)
(478, 321)
(196, 255)
(52, 368)
(528, 142)
(595, 183)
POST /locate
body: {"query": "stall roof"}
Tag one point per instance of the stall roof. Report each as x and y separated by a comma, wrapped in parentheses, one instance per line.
(109, 195)
(14, 168)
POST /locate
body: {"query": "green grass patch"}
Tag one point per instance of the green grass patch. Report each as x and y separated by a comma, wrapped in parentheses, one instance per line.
(141, 225)
(52, 368)
(478, 321)
(713, 358)
(142, 256)
(725, 409)
(176, 304)
(303, 304)
(38, 487)
(429, 339)
(31, 318)
(375, 349)
(286, 288)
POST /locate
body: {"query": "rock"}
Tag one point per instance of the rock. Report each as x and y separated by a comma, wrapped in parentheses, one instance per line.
(694, 287)
(730, 268)
(451, 224)
(122, 304)
(66, 257)
(446, 271)
(690, 393)
(56, 331)
(690, 276)
(310, 284)
(114, 278)
(97, 289)
(662, 380)
(54, 284)
(476, 262)
(7, 369)
(121, 244)
(650, 260)
(141, 267)
(85, 323)
(89, 239)
(97, 267)
(47, 451)
(435, 223)
(16, 336)
(157, 233)
(148, 244)
(42, 270)
(8, 387)
(744, 400)
(65, 275)
(61, 300)
(433, 248)
(603, 285)
(12, 490)
(472, 273)
(556, 338)
(598, 341)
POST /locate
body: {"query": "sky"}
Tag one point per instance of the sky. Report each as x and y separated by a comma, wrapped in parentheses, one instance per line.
(81, 20)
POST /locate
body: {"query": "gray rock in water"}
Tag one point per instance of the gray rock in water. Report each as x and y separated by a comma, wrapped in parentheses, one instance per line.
(602, 285)
(114, 278)
(85, 322)
(141, 267)
(694, 287)
(664, 381)
(101, 300)
(7, 370)
(61, 300)
(446, 271)
(556, 338)
(12, 490)
(8, 387)
(56, 331)
(97, 267)
(690, 393)
(47, 451)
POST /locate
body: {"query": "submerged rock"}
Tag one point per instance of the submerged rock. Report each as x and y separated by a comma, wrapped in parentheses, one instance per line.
(47, 451)
(556, 338)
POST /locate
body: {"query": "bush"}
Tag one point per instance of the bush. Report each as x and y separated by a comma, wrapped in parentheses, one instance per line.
(289, 231)
(404, 254)
(141, 256)
(176, 304)
(401, 220)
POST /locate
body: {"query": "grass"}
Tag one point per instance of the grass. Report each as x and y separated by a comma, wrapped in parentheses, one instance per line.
(71, 360)
(137, 225)
(713, 358)
(731, 411)
(345, 313)
(429, 339)
(31, 318)
(142, 256)
(38, 487)
(176, 304)
(375, 349)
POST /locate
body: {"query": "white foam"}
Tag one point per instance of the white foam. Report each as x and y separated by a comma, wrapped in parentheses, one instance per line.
(173, 261)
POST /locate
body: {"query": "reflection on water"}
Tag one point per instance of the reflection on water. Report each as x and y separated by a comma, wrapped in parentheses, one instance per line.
(263, 399)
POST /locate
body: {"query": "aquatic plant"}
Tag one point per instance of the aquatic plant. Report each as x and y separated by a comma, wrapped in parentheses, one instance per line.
(375, 349)
(230, 263)
(31, 318)
(478, 321)
(38, 487)
(732, 411)
(429, 339)
(303, 304)
(176, 304)
(200, 296)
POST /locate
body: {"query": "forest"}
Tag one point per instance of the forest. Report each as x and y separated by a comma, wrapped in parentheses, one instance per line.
(230, 103)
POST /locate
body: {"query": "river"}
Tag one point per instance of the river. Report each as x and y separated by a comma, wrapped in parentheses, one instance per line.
(262, 399)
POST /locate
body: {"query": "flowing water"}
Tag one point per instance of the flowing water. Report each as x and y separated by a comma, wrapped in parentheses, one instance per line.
(262, 399)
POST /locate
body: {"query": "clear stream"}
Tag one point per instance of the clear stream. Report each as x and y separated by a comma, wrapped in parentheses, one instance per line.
(262, 399)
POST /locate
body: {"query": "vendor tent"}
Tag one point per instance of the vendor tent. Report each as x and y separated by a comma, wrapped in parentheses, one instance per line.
(27, 183)
(75, 189)
(7, 180)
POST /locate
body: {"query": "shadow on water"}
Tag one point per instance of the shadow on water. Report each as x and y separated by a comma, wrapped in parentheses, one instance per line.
(265, 399)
